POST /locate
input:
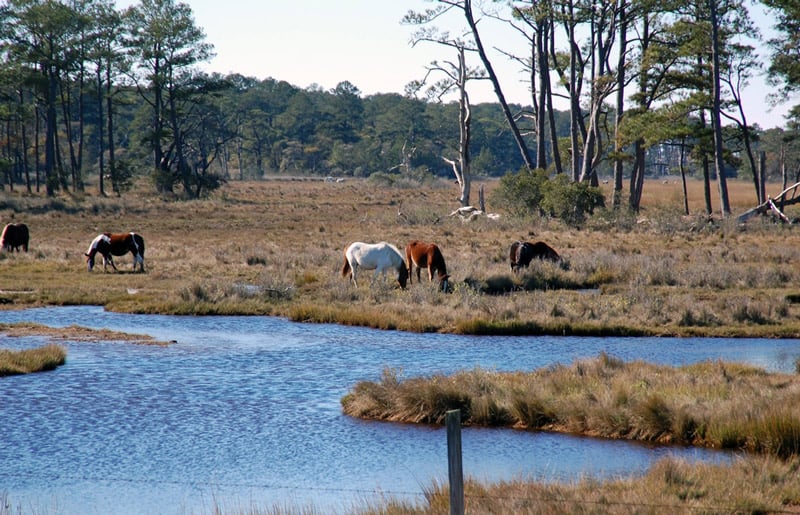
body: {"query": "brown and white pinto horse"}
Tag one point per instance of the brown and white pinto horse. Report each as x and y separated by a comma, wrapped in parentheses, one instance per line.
(523, 252)
(108, 245)
(426, 255)
(14, 236)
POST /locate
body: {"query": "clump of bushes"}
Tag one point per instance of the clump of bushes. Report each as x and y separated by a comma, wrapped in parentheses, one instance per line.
(528, 193)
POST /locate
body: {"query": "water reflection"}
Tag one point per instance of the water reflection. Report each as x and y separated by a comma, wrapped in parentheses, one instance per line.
(245, 411)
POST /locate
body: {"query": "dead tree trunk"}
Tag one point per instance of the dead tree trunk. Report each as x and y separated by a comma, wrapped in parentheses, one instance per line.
(769, 205)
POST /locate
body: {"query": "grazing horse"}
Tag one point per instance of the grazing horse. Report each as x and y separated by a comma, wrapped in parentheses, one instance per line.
(109, 245)
(374, 256)
(522, 252)
(14, 236)
(426, 255)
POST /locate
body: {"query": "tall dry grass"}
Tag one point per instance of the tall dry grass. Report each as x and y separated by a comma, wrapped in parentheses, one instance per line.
(712, 404)
(749, 485)
(47, 357)
(276, 247)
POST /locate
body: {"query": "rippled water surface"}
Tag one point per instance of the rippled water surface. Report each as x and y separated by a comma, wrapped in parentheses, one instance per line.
(244, 411)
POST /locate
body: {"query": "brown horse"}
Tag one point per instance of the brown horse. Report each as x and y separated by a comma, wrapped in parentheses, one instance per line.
(523, 252)
(14, 236)
(426, 255)
(108, 245)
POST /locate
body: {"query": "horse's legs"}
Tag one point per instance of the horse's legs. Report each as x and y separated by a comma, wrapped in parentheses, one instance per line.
(108, 260)
(138, 258)
(379, 270)
(353, 268)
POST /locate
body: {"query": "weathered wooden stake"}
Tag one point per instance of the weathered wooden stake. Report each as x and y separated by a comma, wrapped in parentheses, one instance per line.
(453, 421)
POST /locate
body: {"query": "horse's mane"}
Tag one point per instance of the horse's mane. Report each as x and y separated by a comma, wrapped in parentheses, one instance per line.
(95, 241)
(392, 247)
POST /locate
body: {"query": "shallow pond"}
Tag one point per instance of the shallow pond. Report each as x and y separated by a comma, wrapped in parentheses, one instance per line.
(244, 411)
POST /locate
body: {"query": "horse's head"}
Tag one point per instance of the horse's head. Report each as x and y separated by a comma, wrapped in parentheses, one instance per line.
(402, 276)
(90, 259)
(91, 252)
(444, 282)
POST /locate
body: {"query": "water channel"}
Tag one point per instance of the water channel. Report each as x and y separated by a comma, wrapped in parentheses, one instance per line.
(244, 411)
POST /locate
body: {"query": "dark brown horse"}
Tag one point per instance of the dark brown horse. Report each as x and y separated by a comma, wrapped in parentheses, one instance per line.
(108, 245)
(14, 236)
(523, 252)
(426, 255)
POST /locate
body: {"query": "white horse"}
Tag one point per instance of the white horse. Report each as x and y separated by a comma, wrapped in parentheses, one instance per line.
(374, 256)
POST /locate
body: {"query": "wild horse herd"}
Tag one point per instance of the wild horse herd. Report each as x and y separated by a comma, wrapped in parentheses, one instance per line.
(383, 257)
(16, 235)
(380, 257)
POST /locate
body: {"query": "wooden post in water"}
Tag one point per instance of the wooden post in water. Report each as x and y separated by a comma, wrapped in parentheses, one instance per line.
(456, 475)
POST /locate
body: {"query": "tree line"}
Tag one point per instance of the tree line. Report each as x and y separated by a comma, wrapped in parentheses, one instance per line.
(90, 91)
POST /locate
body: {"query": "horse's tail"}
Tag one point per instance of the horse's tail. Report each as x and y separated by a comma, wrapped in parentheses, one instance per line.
(25, 236)
(4, 236)
(345, 266)
(409, 262)
(512, 257)
(138, 242)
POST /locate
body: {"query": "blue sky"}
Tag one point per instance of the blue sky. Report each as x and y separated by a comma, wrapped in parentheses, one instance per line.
(325, 42)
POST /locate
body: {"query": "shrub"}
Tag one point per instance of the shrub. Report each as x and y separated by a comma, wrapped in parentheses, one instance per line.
(570, 201)
(527, 193)
(521, 192)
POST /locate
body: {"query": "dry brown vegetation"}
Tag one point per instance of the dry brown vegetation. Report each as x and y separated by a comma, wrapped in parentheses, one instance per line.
(76, 332)
(275, 247)
(763, 485)
(26, 361)
(711, 404)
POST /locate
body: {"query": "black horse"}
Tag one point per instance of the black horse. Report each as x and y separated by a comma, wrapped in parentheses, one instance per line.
(14, 236)
(523, 252)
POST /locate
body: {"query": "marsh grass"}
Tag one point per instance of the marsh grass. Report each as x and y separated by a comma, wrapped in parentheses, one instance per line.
(711, 404)
(275, 247)
(749, 485)
(47, 357)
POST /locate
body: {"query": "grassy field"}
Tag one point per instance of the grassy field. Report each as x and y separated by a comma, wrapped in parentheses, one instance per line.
(275, 247)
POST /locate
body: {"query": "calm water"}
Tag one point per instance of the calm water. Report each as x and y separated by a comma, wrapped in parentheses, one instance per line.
(244, 411)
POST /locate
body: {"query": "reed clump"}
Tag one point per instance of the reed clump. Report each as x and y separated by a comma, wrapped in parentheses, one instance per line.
(26, 361)
(711, 404)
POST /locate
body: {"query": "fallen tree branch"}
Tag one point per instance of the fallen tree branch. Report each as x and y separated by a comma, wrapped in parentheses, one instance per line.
(769, 205)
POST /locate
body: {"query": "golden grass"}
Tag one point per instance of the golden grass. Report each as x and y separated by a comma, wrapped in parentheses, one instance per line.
(749, 485)
(275, 247)
(44, 358)
(711, 404)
